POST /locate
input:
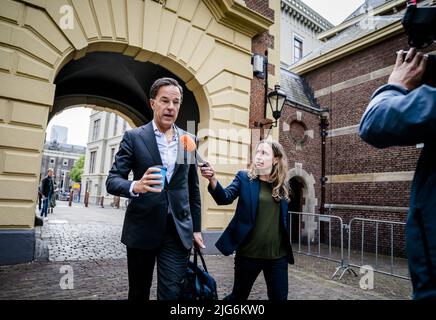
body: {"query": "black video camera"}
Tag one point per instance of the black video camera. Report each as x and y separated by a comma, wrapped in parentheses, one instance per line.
(420, 26)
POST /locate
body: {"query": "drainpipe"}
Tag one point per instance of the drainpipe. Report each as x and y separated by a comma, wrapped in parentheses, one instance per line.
(324, 132)
(265, 97)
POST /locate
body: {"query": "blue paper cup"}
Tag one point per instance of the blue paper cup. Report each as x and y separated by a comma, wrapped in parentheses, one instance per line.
(163, 173)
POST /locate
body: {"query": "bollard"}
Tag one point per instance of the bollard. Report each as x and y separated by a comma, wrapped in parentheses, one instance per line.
(117, 202)
(85, 201)
(70, 199)
(101, 201)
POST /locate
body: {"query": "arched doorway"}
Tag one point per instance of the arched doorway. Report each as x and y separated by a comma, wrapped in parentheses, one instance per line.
(307, 180)
(305, 201)
(118, 83)
(296, 187)
(113, 82)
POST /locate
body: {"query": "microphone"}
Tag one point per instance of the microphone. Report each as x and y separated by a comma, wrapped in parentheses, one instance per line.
(190, 146)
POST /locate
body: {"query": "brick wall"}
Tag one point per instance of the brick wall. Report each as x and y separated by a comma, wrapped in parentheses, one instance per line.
(370, 59)
(261, 7)
(260, 44)
(309, 155)
(393, 193)
(348, 154)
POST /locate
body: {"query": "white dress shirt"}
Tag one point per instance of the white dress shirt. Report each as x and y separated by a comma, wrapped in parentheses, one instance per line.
(167, 150)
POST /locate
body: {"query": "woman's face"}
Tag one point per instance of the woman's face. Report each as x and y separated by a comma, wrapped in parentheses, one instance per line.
(264, 159)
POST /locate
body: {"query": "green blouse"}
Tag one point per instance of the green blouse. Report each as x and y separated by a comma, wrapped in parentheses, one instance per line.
(265, 240)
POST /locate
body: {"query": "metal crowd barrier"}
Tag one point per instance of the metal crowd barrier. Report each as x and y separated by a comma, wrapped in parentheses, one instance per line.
(318, 218)
(363, 221)
(343, 261)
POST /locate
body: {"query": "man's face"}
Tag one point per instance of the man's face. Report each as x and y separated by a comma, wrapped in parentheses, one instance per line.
(50, 173)
(166, 106)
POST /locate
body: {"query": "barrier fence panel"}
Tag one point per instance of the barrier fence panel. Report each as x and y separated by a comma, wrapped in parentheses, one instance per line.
(392, 237)
(314, 235)
(310, 236)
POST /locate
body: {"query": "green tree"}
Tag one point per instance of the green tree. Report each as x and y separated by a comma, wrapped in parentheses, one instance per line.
(77, 171)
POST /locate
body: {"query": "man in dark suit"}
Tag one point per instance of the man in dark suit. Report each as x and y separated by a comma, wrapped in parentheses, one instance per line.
(47, 189)
(161, 223)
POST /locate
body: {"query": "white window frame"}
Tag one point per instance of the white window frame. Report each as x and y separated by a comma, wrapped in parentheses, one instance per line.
(96, 129)
(294, 40)
(92, 161)
(115, 125)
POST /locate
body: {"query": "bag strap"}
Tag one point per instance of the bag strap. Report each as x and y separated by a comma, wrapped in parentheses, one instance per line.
(198, 252)
(195, 256)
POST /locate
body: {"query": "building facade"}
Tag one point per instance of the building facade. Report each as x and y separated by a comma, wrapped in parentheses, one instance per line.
(105, 133)
(361, 181)
(300, 135)
(298, 130)
(299, 29)
(61, 158)
(59, 134)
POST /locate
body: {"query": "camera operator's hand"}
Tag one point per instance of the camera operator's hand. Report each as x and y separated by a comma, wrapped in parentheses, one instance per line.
(408, 71)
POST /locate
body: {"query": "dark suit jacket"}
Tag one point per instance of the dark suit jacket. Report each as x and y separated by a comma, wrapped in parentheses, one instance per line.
(145, 219)
(245, 216)
(46, 185)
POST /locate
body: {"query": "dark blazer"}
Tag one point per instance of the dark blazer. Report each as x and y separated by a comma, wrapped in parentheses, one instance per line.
(46, 185)
(245, 216)
(145, 220)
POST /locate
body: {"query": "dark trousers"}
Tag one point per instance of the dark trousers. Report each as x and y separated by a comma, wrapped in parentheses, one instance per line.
(275, 272)
(45, 204)
(172, 259)
(39, 202)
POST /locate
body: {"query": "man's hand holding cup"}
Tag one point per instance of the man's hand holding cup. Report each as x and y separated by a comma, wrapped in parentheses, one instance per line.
(151, 181)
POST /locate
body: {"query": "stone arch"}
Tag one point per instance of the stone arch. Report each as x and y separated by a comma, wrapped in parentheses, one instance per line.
(206, 43)
(117, 83)
(310, 201)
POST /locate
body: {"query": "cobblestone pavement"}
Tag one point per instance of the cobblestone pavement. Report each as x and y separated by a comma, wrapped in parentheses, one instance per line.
(88, 240)
(78, 233)
(83, 242)
(107, 279)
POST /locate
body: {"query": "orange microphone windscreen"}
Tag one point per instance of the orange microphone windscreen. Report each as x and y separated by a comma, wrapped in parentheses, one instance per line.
(188, 143)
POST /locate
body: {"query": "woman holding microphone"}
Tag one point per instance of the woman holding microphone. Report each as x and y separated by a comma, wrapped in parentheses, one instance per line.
(259, 230)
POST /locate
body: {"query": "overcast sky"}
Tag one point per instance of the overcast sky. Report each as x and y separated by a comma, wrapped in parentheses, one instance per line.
(334, 11)
(77, 122)
(77, 119)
